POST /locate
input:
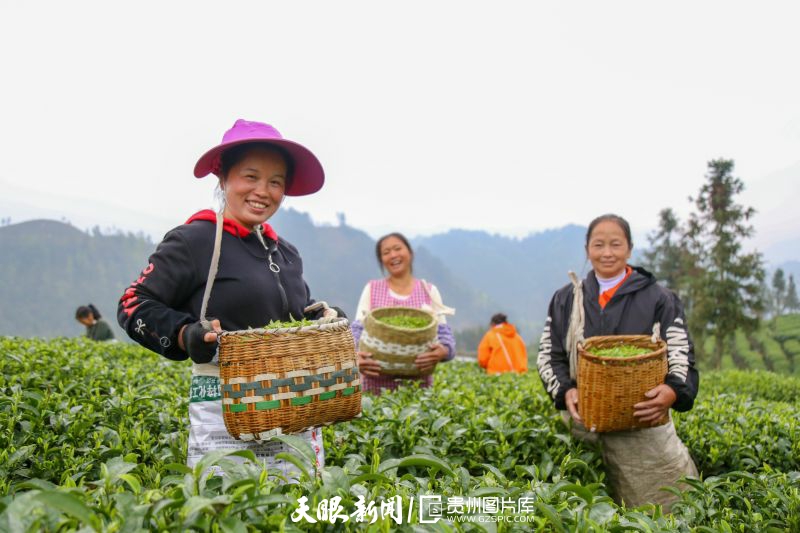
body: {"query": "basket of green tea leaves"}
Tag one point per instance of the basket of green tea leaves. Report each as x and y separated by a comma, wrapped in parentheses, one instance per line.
(288, 376)
(395, 336)
(614, 372)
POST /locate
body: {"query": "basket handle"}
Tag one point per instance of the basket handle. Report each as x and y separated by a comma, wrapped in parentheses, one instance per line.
(212, 270)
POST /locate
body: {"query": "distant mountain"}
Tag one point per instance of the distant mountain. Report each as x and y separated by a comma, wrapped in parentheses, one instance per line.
(49, 268)
(521, 275)
(785, 251)
(789, 267)
(339, 260)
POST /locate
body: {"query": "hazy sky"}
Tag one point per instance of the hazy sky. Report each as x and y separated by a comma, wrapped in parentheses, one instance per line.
(506, 116)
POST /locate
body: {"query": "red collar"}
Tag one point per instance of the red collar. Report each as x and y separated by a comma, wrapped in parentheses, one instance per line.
(230, 225)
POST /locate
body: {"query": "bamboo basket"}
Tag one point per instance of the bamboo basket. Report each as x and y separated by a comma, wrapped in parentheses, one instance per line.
(608, 387)
(285, 380)
(395, 348)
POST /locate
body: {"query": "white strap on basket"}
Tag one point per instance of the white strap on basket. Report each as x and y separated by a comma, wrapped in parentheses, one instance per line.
(656, 333)
(212, 270)
(505, 352)
(436, 303)
(577, 321)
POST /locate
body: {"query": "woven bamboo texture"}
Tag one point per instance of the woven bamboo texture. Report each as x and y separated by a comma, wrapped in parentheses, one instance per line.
(285, 380)
(395, 348)
(608, 387)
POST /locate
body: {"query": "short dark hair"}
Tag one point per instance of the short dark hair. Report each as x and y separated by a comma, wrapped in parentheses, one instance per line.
(610, 217)
(396, 235)
(232, 156)
(86, 310)
(499, 318)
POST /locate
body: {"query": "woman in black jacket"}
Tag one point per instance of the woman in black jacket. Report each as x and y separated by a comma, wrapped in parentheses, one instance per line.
(619, 299)
(259, 276)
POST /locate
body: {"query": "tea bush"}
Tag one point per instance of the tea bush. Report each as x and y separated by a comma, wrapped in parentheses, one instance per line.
(95, 440)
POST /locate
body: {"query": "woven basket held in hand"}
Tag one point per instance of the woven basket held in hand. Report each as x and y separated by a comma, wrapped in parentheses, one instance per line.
(609, 386)
(285, 380)
(394, 347)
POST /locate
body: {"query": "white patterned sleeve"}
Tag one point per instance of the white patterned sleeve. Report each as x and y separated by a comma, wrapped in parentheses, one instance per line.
(682, 375)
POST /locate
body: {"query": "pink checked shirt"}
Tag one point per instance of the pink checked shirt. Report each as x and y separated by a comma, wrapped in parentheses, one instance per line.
(380, 296)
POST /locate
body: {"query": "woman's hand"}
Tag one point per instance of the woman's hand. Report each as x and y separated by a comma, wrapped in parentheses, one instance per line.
(199, 342)
(571, 398)
(426, 361)
(652, 410)
(367, 365)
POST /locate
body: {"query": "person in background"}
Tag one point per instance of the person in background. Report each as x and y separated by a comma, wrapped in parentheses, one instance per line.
(97, 329)
(502, 349)
(259, 276)
(400, 289)
(620, 299)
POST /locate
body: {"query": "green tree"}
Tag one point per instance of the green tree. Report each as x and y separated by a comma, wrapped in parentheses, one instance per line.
(778, 300)
(792, 303)
(766, 297)
(666, 256)
(726, 291)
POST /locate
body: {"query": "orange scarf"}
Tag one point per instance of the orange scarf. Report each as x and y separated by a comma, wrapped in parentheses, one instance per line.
(606, 296)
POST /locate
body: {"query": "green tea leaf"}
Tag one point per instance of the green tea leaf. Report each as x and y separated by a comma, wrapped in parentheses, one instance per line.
(621, 351)
(132, 482)
(408, 322)
(300, 445)
(426, 461)
(67, 504)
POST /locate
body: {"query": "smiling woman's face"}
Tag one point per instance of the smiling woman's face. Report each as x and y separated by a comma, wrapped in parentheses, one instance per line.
(395, 256)
(608, 249)
(254, 187)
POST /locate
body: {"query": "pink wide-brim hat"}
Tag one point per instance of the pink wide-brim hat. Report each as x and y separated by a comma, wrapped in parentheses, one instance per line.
(307, 176)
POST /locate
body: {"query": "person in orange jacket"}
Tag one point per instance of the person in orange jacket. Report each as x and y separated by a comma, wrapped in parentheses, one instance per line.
(502, 349)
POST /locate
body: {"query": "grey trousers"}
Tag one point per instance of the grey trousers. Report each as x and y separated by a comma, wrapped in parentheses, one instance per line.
(640, 461)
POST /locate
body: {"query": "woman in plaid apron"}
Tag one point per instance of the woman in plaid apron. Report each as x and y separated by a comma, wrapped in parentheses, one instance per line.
(401, 289)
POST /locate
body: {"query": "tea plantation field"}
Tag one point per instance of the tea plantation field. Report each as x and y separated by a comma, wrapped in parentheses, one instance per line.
(775, 346)
(94, 439)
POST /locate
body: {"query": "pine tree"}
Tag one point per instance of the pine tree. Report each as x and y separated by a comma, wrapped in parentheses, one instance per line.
(696, 304)
(666, 254)
(766, 297)
(726, 292)
(792, 303)
(778, 292)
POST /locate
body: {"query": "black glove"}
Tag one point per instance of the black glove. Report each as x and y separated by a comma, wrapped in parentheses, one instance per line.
(317, 310)
(199, 350)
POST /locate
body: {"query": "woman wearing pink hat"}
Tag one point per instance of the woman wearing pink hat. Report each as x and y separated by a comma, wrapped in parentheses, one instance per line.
(259, 276)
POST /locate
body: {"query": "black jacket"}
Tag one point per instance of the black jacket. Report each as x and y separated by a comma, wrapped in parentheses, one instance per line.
(633, 310)
(246, 293)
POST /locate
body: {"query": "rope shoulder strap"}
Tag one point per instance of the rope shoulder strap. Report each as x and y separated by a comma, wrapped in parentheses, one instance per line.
(656, 332)
(212, 270)
(577, 320)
